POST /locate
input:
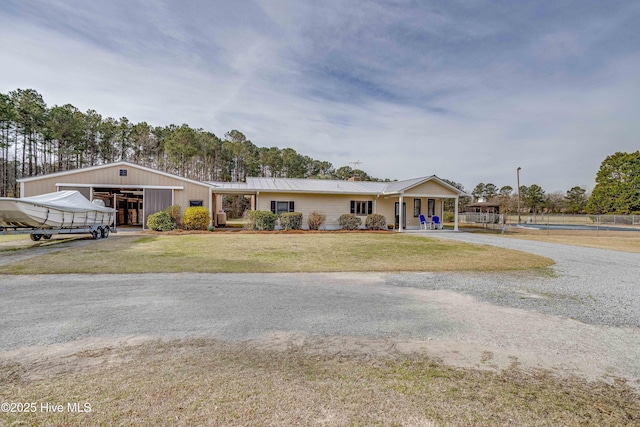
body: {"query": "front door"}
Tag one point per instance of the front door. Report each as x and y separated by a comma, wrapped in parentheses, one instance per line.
(404, 215)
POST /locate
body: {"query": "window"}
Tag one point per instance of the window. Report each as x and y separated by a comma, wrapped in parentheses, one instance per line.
(431, 208)
(278, 207)
(123, 172)
(361, 207)
(417, 207)
(195, 202)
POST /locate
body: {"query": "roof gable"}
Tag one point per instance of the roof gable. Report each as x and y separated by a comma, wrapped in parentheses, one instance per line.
(111, 165)
(408, 185)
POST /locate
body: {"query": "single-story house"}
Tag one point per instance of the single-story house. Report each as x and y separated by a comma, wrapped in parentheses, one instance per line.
(138, 191)
(417, 196)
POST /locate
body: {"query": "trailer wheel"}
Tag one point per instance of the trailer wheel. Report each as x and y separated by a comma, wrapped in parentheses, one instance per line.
(35, 237)
(97, 234)
(105, 232)
(46, 236)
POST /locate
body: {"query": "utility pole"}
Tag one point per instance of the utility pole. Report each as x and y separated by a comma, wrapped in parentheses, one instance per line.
(518, 173)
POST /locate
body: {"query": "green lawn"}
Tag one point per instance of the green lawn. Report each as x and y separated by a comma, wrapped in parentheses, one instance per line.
(277, 252)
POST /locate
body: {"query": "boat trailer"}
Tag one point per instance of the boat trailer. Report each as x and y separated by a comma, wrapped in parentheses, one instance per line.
(96, 231)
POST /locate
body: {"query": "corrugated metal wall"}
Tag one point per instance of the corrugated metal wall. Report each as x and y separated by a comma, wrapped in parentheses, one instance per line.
(156, 200)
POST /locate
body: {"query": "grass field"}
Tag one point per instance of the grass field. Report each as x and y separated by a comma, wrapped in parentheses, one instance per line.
(205, 382)
(625, 241)
(280, 252)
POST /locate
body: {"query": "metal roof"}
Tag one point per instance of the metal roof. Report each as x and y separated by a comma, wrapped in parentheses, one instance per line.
(398, 186)
(227, 185)
(298, 185)
(315, 185)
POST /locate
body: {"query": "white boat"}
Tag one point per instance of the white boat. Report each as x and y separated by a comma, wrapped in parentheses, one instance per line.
(59, 210)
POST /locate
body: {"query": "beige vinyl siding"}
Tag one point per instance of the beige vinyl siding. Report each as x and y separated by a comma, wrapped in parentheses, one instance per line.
(386, 207)
(331, 205)
(430, 187)
(182, 197)
(109, 176)
(335, 205)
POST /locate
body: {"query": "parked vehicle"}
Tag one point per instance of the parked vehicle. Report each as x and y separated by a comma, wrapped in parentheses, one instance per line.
(62, 212)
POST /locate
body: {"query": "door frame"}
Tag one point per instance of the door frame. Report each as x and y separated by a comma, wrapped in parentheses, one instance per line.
(397, 214)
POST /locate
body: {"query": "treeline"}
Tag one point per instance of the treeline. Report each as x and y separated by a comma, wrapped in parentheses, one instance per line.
(36, 139)
(533, 199)
(617, 191)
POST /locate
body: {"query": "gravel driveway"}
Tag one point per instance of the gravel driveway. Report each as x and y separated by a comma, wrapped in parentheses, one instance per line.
(583, 319)
(595, 286)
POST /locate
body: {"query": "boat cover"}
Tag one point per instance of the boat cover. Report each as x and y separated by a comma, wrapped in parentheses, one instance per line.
(70, 201)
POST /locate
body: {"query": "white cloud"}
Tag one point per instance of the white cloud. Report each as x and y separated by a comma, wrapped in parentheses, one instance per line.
(409, 92)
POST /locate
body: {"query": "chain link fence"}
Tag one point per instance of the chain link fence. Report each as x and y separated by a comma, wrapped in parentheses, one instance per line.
(552, 221)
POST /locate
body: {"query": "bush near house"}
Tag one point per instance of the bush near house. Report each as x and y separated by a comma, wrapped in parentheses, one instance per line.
(316, 220)
(375, 222)
(160, 221)
(196, 218)
(175, 212)
(291, 220)
(261, 220)
(349, 221)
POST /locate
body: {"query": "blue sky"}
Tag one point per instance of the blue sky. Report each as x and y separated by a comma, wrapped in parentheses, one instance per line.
(468, 91)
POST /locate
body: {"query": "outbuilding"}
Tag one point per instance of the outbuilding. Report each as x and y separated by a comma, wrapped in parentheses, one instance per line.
(135, 191)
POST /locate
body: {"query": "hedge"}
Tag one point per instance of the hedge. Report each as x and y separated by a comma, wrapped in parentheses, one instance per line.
(316, 220)
(291, 220)
(375, 222)
(349, 221)
(196, 218)
(175, 212)
(261, 220)
(160, 221)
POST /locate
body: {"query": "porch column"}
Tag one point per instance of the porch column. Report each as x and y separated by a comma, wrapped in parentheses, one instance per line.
(455, 221)
(253, 202)
(400, 218)
(212, 209)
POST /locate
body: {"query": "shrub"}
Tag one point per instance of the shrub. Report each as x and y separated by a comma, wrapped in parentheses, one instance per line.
(196, 218)
(291, 220)
(349, 221)
(448, 217)
(375, 222)
(175, 212)
(261, 220)
(316, 220)
(160, 221)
